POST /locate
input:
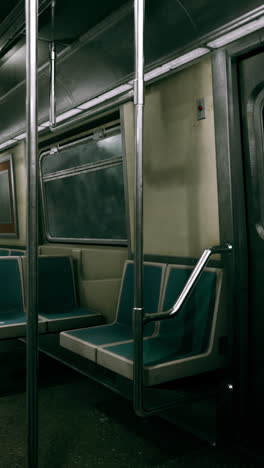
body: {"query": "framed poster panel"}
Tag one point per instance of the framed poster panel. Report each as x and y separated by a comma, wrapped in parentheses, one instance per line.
(8, 216)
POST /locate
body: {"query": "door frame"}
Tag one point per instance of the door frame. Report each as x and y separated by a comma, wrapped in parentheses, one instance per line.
(232, 210)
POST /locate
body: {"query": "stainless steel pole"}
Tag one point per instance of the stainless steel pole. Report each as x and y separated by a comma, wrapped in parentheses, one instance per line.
(32, 231)
(52, 51)
(139, 14)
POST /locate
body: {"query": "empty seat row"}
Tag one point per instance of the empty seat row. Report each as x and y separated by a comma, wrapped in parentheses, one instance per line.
(58, 306)
(86, 342)
(12, 252)
(184, 345)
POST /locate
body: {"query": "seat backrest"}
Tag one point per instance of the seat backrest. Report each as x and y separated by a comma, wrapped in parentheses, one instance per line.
(4, 252)
(153, 279)
(56, 284)
(17, 253)
(189, 331)
(11, 297)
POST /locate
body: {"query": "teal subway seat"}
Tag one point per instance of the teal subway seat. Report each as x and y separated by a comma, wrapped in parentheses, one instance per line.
(12, 252)
(86, 342)
(12, 311)
(57, 296)
(4, 252)
(17, 253)
(184, 345)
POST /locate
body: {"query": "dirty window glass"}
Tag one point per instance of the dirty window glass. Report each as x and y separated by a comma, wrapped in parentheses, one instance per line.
(83, 192)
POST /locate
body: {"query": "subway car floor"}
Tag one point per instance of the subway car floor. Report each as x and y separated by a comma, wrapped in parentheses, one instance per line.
(83, 424)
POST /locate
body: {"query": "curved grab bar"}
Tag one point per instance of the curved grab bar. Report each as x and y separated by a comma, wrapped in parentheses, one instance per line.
(191, 283)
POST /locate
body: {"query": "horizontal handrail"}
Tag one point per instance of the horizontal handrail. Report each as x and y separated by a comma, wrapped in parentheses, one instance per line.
(191, 283)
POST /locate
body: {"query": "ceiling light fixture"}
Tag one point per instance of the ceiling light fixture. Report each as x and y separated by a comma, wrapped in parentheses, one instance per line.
(21, 136)
(66, 115)
(182, 60)
(44, 125)
(7, 143)
(60, 118)
(106, 96)
(237, 33)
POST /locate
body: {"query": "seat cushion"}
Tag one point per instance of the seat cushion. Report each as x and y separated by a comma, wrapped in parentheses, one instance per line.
(161, 364)
(67, 319)
(182, 345)
(119, 358)
(13, 324)
(86, 341)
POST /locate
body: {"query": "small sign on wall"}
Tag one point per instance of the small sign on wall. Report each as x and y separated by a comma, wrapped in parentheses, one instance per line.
(8, 218)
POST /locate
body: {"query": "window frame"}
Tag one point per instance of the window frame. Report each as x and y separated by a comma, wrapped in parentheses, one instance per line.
(102, 133)
(255, 110)
(10, 229)
(259, 121)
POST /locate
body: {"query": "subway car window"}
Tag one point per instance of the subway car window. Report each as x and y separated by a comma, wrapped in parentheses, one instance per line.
(83, 184)
(91, 151)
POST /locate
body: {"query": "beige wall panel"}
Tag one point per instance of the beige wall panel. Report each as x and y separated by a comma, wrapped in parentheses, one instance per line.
(180, 198)
(18, 153)
(59, 250)
(101, 296)
(103, 264)
(128, 129)
(95, 262)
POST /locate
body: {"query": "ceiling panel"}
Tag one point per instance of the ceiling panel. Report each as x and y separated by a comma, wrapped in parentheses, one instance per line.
(6, 8)
(99, 61)
(73, 19)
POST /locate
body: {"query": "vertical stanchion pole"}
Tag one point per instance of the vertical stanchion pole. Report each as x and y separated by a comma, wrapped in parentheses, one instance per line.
(32, 231)
(139, 14)
(52, 84)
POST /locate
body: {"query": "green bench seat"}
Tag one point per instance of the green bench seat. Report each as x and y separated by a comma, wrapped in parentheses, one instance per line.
(4, 252)
(184, 345)
(17, 253)
(12, 311)
(86, 342)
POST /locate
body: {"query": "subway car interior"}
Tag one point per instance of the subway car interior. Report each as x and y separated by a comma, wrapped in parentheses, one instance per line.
(131, 233)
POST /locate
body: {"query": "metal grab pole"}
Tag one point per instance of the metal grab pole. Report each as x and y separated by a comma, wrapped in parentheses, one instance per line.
(32, 231)
(139, 13)
(52, 51)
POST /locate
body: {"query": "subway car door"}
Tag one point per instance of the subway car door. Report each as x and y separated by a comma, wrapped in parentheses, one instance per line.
(251, 78)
